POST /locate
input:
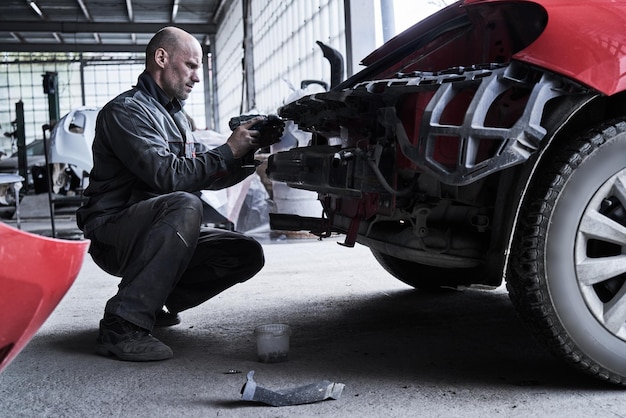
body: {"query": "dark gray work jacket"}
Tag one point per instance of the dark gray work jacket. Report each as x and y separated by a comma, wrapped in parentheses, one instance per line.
(143, 147)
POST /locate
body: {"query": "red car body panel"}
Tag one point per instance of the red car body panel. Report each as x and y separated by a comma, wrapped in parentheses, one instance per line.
(36, 273)
(583, 40)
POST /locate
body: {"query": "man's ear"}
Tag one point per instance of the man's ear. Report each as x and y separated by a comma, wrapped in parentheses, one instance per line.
(160, 57)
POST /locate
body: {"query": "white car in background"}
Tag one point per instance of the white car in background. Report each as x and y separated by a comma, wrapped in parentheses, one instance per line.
(71, 139)
(69, 156)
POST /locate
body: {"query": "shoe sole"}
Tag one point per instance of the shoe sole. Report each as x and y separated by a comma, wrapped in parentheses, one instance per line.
(108, 350)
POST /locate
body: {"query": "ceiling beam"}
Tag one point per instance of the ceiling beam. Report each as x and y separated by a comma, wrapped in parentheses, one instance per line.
(70, 47)
(18, 37)
(103, 27)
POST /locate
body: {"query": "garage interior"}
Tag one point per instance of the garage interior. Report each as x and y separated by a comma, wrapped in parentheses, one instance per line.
(399, 351)
(256, 52)
(64, 55)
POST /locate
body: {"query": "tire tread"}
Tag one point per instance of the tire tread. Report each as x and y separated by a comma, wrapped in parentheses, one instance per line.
(527, 291)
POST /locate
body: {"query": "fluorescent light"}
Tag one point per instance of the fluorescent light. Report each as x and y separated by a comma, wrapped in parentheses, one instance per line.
(174, 10)
(36, 8)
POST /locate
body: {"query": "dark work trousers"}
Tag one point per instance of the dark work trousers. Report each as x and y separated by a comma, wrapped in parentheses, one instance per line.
(164, 258)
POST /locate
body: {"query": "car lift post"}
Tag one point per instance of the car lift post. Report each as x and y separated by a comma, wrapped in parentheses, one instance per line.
(50, 87)
(20, 134)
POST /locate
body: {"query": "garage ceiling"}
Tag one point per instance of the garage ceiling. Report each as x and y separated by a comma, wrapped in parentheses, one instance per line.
(99, 25)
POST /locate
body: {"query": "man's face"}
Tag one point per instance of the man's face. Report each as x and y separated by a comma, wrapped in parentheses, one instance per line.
(181, 71)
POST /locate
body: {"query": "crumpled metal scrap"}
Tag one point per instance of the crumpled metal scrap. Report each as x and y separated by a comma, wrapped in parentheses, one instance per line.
(314, 392)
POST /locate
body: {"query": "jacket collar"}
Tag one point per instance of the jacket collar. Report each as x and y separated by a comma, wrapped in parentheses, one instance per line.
(147, 84)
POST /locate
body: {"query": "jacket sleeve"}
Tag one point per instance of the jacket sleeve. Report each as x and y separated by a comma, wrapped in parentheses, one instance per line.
(140, 139)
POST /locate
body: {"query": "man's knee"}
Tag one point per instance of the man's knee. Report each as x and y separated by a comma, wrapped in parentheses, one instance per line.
(184, 201)
(186, 205)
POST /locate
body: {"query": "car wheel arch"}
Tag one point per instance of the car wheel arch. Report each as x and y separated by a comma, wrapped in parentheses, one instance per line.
(583, 113)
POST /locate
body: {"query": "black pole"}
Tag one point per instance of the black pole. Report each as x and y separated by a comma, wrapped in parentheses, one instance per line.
(20, 133)
(48, 178)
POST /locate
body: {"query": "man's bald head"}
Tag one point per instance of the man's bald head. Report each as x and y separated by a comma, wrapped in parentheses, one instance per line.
(173, 58)
(170, 39)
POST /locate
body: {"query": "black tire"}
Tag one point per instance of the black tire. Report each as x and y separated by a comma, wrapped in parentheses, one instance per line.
(423, 276)
(567, 271)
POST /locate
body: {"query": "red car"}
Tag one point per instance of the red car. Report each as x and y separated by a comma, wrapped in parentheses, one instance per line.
(487, 143)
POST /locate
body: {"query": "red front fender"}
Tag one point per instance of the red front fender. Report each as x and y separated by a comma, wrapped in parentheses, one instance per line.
(583, 40)
(35, 274)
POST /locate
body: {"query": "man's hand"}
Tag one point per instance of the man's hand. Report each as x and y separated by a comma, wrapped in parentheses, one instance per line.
(264, 130)
(244, 139)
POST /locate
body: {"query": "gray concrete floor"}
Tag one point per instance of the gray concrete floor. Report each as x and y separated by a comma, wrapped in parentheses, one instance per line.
(399, 352)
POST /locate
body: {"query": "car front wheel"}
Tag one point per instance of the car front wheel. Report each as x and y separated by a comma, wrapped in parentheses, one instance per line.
(567, 273)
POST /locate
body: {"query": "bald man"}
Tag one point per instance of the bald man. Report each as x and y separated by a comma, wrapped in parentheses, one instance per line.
(144, 216)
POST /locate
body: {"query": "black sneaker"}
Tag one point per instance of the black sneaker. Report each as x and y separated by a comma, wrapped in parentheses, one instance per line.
(165, 318)
(129, 342)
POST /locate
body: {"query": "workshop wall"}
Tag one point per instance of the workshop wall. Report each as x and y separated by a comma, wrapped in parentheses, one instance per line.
(284, 51)
(284, 33)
